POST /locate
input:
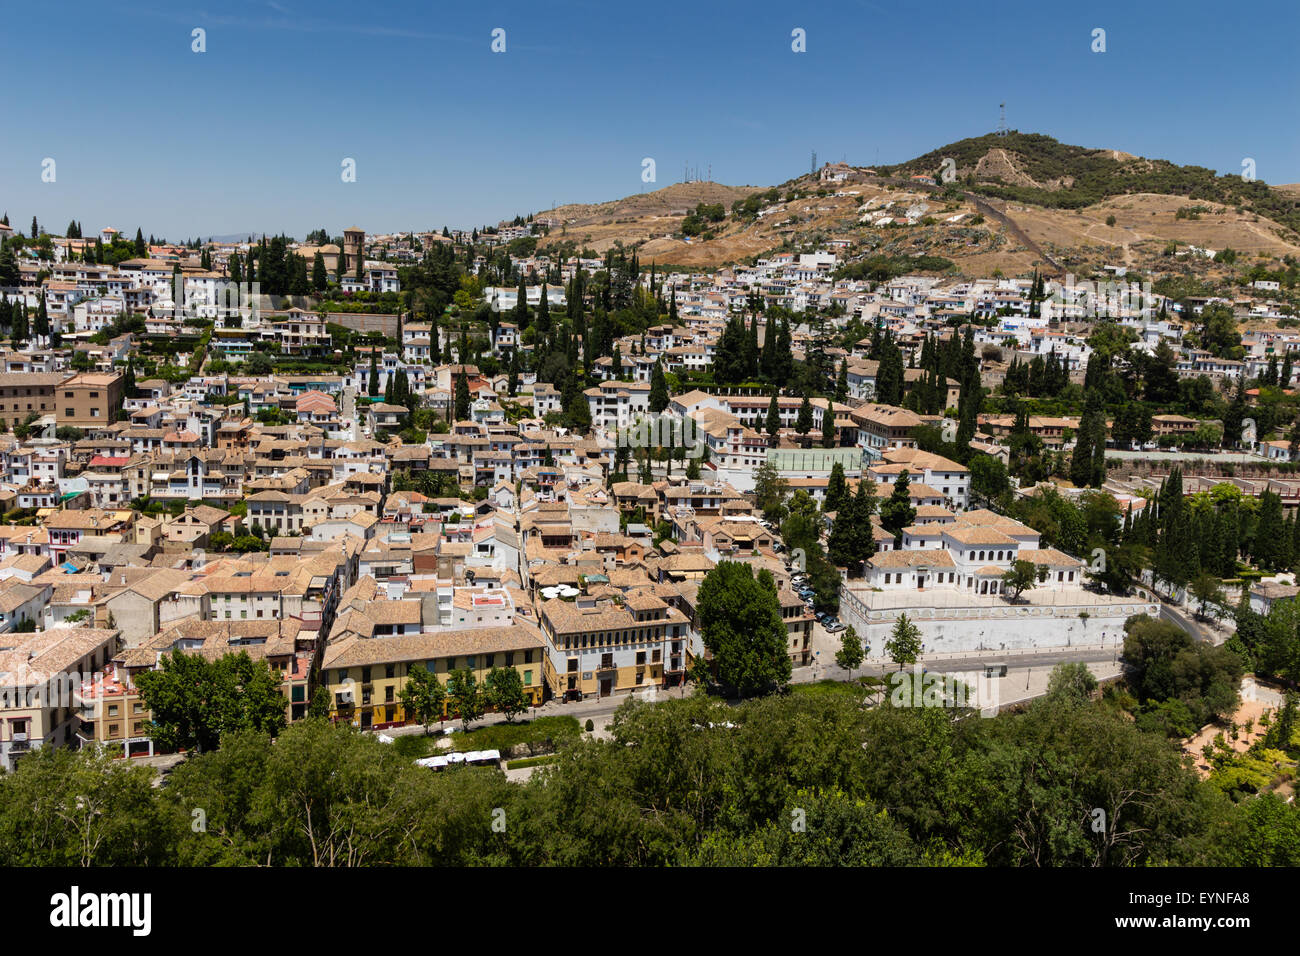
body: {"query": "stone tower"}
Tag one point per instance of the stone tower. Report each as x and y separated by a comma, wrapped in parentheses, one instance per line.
(354, 249)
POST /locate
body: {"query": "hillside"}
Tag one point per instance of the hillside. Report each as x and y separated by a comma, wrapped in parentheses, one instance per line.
(1018, 202)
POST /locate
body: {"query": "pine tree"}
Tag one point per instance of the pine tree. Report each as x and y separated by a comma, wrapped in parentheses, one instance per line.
(372, 382)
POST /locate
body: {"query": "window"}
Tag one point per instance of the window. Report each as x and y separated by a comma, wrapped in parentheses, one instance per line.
(390, 670)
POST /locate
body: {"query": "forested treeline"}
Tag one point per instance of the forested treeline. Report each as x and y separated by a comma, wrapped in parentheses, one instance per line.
(682, 782)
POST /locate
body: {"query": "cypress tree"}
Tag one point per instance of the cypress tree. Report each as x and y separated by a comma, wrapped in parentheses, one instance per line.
(830, 436)
(803, 424)
(773, 421)
(543, 314)
(658, 389)
(837, 489)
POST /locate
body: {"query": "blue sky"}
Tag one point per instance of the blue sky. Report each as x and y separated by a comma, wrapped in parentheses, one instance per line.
(250, 135)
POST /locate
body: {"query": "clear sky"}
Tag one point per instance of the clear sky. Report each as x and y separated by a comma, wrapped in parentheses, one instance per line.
(251, 134)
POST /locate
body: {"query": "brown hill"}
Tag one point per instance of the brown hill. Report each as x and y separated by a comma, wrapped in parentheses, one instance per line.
(1017, 203)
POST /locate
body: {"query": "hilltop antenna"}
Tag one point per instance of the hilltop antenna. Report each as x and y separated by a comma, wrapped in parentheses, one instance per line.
(1002, 119)
(814, 162)
(710, 179)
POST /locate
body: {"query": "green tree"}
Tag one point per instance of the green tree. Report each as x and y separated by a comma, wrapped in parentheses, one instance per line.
(195, 701)
(505, 692)
(830, 435)
(773, 423)
(320, 705)
(466, 695)
(319, 278)
(68, 808)
(897, 512)
(741, 625)
(769, 491)
(837, 489)
(658, 389)
(422, 696)
(1208, 591)
(850, 655)
(804, 422)
(1071, 681)
(1022, 577)
(462, 396)
(904, 643)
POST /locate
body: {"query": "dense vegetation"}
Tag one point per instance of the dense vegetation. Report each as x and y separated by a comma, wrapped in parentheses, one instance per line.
(803, 779)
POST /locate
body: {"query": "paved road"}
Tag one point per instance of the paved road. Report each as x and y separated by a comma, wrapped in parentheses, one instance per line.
(1186, 621)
